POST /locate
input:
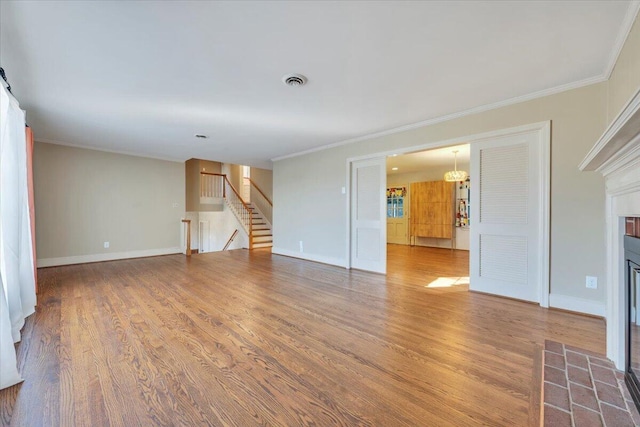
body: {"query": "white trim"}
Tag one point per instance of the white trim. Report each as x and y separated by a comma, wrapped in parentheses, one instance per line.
(579, 305)
(309, 257)
(616, 296)
(106, 150)
(348, 210)
(626, 157)
(545, 213)
(605, 151)
(623, 34)
(83, 259)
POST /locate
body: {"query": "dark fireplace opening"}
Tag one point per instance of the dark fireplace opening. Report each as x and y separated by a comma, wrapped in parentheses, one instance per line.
(632, 285)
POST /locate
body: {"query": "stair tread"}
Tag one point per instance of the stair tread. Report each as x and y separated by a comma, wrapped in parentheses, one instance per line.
(262, 245)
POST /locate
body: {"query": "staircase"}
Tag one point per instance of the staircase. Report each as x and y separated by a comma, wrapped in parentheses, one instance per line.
(216, 185)
(261, 236)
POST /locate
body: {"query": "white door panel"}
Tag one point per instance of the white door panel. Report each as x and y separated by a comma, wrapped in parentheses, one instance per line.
(397, 231)
(507, 241)
(368, 225)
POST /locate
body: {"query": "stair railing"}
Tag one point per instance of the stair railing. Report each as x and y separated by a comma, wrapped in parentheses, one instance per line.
(261, 201)
(212, 185)
(218, 183)
(231, 239)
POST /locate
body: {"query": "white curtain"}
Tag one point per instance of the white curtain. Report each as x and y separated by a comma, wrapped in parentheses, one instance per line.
(18, 297)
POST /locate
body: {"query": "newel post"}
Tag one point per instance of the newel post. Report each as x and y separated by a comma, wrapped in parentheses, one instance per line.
(188, 222)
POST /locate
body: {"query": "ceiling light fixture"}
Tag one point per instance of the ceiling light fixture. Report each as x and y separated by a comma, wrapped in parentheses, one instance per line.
(394, 169)
(455, 174)
(294, 80)
(201, 136)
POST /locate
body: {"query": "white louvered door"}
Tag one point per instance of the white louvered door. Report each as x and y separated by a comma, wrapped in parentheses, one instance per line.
(508, 208)
(368, 218)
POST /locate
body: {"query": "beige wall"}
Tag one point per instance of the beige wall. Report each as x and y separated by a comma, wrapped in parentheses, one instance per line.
(192, 185)
(625, 78)
(193, 167)
(85, 197)
(209, 166)
(235, 176)
(263, 178)
(314, 210)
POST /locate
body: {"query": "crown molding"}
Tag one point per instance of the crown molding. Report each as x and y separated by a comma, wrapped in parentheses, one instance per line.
(464, 113)
(625, 29)
(619, 138)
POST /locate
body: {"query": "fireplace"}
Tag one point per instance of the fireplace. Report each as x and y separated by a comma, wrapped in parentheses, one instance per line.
(632, 284)
(616, 155)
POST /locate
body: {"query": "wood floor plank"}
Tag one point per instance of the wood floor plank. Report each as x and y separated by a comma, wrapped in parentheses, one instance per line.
(128, 368)
(245, 335)
(216, 361)
(38, 363)
(232, 345)
(242, 338)
(76, 285)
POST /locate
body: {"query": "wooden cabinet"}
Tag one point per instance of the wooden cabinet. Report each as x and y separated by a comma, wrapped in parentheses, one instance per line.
(432, 209)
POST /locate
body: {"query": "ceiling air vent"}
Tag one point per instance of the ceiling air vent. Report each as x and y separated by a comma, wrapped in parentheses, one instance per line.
(294, 80)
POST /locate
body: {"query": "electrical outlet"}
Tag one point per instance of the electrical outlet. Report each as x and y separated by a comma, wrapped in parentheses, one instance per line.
(592, 282)
(106, 245)
(301, 247)
(175, 205)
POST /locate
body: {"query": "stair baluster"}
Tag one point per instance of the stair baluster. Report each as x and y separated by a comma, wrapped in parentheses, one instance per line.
(216, 185)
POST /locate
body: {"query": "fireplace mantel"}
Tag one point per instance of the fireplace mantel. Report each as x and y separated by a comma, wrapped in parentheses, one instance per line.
(617, 142)
(616, 156)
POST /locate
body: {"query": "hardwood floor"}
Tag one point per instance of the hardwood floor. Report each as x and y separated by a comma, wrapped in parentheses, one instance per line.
(248, 338)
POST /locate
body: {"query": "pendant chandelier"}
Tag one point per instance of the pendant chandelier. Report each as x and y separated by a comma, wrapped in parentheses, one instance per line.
(455, 175)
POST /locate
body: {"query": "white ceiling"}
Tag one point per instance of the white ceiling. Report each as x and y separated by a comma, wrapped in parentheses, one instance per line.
(432, 159)
(144, 76)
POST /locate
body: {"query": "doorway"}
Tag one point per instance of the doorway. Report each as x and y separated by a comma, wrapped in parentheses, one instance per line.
(433, 214)
(509, 235)
(429, 235)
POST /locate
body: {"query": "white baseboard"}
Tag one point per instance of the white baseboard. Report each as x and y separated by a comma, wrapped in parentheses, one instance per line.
(310, 257)
(580, 305)
(83, 259)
